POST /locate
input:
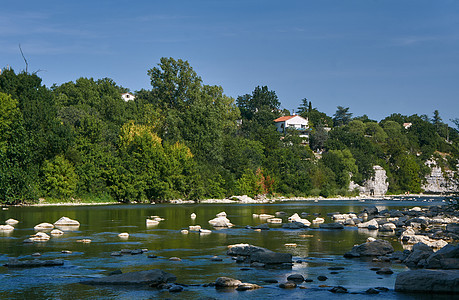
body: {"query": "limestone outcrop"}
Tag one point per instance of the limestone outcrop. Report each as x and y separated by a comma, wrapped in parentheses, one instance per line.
(376, 186)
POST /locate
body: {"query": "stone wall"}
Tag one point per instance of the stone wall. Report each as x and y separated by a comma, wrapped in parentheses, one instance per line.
(377, 185)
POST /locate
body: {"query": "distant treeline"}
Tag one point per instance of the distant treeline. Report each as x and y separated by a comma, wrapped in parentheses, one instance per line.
(184, 139)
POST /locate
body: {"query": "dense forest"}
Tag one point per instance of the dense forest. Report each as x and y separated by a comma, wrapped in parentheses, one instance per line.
(185, 139)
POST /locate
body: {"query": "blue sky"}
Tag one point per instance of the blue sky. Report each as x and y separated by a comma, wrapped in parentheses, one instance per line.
(376, 57)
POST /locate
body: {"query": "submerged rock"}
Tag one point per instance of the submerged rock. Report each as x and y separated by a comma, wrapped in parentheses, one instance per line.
(331, 226)
(15, 263)
(149, 277)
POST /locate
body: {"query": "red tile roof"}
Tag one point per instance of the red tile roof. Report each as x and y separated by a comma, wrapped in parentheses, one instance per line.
(285, 118)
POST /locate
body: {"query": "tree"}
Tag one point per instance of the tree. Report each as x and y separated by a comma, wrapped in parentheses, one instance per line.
(342, 116)
(60, 178)
(304, 107)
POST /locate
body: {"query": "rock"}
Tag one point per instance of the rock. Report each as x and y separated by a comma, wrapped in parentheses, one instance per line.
(416, 208)
(296, 218)
(274, 221)
(223, 282)
(259, 254)
(339, 290)
(84, 241)
(66, 252)
(126, 251)
(64, 221)
(115, 253)
(280, 213)
(322, 278)
(294, 225)
(11, 222)
(419, 252)
(151, 222)
(271, 281)
(384, 271)
(371, 210)
(194, 228)
(116, 272)
(150, 277)
(15, 263)
(257, 265)
(331, 226)
(428, 281)
(123, 235)
(388, 227)
(288, 285)
(152, 256)
(56, 232)
(136, 252)
(193, 216)
(205, 231)
(216, 258)
(453, 228)
(375, 248)
(263, 226)
(6, 227)
(247, 286)
(36, 254)
(175, 259)
(44, 226)
(295, 278)
(445, 258)
(265, 216)
(336, 268)
(184, 231)
(176, 289)
(221, 221)
(290, 245)
(318, 220)
(372, 291)
(221, 214)
(40, 237)
(372, 222)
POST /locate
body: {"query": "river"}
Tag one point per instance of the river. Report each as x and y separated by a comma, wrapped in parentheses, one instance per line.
(317, 250)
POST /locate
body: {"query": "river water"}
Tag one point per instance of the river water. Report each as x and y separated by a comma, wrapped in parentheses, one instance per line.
(317, 250)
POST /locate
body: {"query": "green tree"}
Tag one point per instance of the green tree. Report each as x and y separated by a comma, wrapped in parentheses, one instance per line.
(342, 116)
(60, 178)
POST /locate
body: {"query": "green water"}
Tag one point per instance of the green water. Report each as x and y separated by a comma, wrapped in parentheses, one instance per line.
(316, 251)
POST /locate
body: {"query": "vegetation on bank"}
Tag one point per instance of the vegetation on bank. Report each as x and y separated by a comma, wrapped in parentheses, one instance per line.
(184, 139)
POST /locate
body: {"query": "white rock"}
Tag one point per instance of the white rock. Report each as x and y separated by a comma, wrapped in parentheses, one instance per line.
(368, 223)
(318, 220)
(193, 216)
(64, 221)
(416, 208)
(220, 222)
(370, 239)
(274, 221)
(56, 232)
(194, 228)
(296, 218)
(184, 231)
(255, 215)
(221, 214)
(44, 226)
(204, 231)
(11, 222)
(266, 216)
(6, 227)
(152, 222)
(40, 237)
(123, 235)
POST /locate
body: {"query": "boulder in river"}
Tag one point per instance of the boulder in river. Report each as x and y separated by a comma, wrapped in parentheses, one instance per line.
(375, 248)
(11, 222)
(331, 226)
(221, 221)
(44, 226)
(149, 277)
(259, 254)
(223, 282)
(428, 281)
(65, 221)
(445, 258)
(34, 263)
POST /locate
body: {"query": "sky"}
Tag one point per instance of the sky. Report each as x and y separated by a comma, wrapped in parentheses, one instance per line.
(376, 57)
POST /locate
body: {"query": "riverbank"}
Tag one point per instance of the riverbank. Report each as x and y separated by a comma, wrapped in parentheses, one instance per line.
(248, 200)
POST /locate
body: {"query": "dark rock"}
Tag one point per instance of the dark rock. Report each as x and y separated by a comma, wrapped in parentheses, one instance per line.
(374, 248)
(257, 264)
(152, 256)
(263, 226)
(270, 257)
(176, 289)
(136, 251)
(162, 286)
(149, 277)
(116, 272)
(428, 281)
(245, 269)
(271, 281)
(331, 226)
(115, 253)
(244, 250)
(371, 210)
(336, 268)
(375, 269)
(223, 282)
(295, 278)
(126, 251)
(322, 278)
(308, 280)
(216, 258)
(372, 291)
(372, 227)
(445, 258)
(453, 228)
(382, 289)
(385, 271)
(294, 225)
(34, 263)
(334, 272)
(419, 252)
(288, 285)
(339, 290)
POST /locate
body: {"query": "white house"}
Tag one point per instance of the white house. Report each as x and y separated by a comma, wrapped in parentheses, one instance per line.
(127, 96)
(293, 122)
